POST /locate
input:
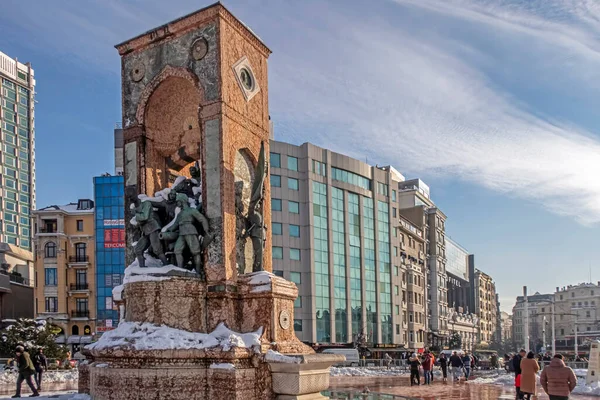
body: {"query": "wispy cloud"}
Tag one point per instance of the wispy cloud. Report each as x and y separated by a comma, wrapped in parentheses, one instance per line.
(493, 92)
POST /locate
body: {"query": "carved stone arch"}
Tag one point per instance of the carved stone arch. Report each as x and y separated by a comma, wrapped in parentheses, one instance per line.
(169, 110)
(243, 177)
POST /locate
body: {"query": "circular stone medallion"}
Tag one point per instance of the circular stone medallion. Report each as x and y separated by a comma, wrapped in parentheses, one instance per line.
(199, 49)
(137, 71)
(284, 319)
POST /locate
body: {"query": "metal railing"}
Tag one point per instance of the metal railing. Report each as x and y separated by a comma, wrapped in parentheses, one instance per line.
(14, 278)
(79, 259)
(80, 286)
(48, 229)
(80, 314)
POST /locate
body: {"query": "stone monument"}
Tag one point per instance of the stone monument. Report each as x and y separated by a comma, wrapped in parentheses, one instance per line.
(202, 317)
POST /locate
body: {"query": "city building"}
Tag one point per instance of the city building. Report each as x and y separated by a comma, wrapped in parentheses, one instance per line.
(538, 306)
(110, 247)
(118, 135)
(16, 283)
(65, 290)
(17, 123)
(457, 269)
(576, 308)
(415, 204)
(353, 237)
(467, 327)
(507, 327)
(486, 308)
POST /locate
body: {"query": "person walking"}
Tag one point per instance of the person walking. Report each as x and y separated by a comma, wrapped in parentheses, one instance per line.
(427, 367)
(388, 360)
(457, 364)
(558, 380)
(40, 363)
(444, 366)
(432, 364)
(516, 361)
(529, 369)
(415, 364)
(467, 362)
(26, 370)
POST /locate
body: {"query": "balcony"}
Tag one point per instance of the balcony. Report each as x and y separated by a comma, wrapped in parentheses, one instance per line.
(79, 259)
(79, 287)
(85, 314)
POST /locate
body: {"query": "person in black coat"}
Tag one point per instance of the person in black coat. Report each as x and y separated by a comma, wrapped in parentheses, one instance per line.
(40, 363)
(444, 365)
(516, 361)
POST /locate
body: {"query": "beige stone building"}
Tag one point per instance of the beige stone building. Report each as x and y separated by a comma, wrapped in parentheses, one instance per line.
(577, 307)
(65, 270)
(485, 306)
(506, 326)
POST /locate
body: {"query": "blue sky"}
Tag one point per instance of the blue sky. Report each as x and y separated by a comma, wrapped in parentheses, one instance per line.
(493, 103)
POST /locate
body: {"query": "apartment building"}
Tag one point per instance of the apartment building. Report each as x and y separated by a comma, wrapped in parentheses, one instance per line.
(485, 306)
(577, 309)
(65, 289)
(17, 164)
(538, 307)
(507, 326)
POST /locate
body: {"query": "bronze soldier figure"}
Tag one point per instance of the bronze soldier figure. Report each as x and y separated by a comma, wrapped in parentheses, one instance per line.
(149, 223)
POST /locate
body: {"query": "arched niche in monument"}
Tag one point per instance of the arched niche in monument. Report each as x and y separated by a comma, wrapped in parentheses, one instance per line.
(243, 173)
(171, 121)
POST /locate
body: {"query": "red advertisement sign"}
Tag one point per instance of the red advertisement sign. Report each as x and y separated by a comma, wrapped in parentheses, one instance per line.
(114, 238)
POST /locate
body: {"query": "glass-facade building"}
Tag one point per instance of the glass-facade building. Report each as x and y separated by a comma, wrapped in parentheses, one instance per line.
(341, 216)
(17, 90)
(110, 247)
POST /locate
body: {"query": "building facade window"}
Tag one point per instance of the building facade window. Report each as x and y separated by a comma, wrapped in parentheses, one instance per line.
(297, 325)
(52, 304)
(80, 252)
(319, 168)
(50, 250)
(292, 184)
(294, 207)
(350, 177)
(296, 277)
(339, 265)
(277, 252)
(275, 180)
(294, 230)
(79, 225)
(292, 163)
(369, 261)
(321, 252)
(276, 228)
(51, 277)
(275, 160)
(295, 254)
(385, 278)
(275, 204)
(354, 232)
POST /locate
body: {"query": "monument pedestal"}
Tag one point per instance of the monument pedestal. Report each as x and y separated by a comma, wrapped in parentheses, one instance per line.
(163, 350)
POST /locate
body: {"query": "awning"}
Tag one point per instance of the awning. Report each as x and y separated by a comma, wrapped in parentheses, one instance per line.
(60, 339)
(76, 339)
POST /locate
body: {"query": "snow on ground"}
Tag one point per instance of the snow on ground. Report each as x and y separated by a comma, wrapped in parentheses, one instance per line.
(10, 377)
(222, 366)
(146, 336)
(509, 380)
(367, 371)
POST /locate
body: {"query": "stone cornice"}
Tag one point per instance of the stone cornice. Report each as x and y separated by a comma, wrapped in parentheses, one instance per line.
(183, 24)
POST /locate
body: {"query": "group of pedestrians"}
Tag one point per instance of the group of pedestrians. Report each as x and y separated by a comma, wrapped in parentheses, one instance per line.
(426, 362)
(557, 380)
(460, 366)
(30, 370)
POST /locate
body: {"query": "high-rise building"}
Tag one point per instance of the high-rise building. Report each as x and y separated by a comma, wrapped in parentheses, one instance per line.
(65, 292)
(339, 234)
(18, 143)
(110, 247)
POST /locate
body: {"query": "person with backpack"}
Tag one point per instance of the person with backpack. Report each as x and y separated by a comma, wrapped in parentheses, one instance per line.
(26, 371)
(40, 363)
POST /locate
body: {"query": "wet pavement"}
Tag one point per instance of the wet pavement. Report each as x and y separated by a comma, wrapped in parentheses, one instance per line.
(400, 385)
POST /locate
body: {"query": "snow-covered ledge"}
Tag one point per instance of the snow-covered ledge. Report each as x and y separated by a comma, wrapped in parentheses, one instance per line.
(301, 376)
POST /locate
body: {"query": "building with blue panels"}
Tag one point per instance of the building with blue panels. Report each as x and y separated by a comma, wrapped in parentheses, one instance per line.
(110, 247)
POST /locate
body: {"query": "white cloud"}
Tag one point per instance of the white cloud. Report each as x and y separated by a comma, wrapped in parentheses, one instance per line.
(456, 89)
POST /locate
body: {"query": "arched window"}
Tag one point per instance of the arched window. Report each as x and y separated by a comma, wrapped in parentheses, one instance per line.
(50, 250)
(80, 252)
(75, 330)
